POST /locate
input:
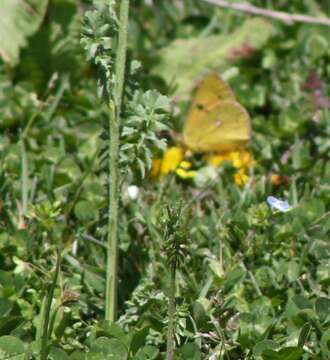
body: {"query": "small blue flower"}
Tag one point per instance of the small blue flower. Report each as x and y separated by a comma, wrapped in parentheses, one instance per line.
(278, 204)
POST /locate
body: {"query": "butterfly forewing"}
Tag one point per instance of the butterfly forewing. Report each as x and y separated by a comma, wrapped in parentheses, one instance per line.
(210, 91)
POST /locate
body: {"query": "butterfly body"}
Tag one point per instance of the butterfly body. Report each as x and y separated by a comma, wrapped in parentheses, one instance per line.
(216, 122)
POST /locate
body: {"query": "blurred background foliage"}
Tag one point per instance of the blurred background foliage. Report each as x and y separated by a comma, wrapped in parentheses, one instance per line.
(255, 284)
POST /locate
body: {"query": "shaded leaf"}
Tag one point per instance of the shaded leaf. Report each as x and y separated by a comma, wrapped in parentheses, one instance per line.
(19, 20)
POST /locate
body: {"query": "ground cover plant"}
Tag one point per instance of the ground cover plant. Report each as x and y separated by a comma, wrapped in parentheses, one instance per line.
(118, 242)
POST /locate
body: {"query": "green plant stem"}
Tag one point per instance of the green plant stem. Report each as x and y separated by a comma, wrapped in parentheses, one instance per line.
(114, 119)
(41, 319)
(24, 177)
(45, 321)
(171, 316)
(53, 318)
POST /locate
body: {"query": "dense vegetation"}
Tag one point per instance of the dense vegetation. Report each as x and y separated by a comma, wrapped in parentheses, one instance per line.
(250, 282)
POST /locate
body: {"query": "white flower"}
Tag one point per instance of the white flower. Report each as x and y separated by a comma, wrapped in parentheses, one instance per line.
(133, 192)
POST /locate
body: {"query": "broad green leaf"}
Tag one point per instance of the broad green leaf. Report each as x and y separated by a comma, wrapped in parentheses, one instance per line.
(9, 323)
(188, 352)
(111, 349)
(199, 313)
(322, 307)
(5, 307)
(217, 268)
(110, 330)
(57, 354)
(148, 352)
(325, 344)
(263, 345)
(323, 272)
(296, 304)
(19, 19)
(184, 60)
(233, 278)
(139, 339)
(289, 353)
(94, 280)
(77, 355)
(86, 211)
(293, 271)
(304, 333)
(11, 348)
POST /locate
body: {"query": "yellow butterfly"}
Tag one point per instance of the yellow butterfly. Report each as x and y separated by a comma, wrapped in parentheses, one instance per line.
(216, 122)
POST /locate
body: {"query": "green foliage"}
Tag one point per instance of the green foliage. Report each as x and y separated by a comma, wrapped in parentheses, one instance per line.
(11, 348)
(100, 28)
(146, 117)
(46, 214)
(252, 283)
(19, 20)
(212, 51)
(60, 52)
(174, 234)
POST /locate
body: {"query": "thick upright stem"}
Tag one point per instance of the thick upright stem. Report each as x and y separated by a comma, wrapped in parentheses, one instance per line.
(171, 316)
(114, 122)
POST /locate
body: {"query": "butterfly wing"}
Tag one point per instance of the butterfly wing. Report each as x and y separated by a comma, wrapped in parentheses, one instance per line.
(224, 128)
(216, 121)
(209, 92)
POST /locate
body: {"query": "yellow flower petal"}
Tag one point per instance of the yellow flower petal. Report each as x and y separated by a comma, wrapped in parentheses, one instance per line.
(246, 158)
(241, 159)
(184, 174)
(185, 165)
(216, 160)
(241, 178)
(172, 158)
(236, 159)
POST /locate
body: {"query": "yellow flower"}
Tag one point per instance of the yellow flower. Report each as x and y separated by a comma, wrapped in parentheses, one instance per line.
(241, 160)
(186, 165)
(183, 170)
(172, 158)
(217, 160)
(241, 178)
(170, 161)
(236, 159)
(184, 174)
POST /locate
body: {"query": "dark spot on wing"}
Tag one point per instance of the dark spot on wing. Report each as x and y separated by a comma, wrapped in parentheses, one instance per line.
(200, 107)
